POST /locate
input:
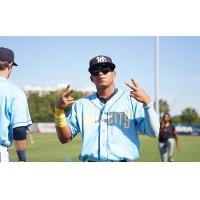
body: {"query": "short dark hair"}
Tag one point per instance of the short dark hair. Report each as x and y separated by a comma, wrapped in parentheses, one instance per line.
(4, 65)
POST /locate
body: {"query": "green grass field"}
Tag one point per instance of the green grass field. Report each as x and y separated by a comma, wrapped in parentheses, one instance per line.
(47, 148)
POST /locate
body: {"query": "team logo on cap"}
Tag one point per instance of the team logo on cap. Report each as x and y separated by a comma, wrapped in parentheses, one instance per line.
(101, 59)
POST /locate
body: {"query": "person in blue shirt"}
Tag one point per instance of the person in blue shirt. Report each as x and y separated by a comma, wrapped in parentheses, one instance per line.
(14, 112)
(108, 120)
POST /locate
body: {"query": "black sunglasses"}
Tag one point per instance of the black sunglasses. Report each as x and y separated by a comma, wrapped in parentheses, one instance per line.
(105, 70)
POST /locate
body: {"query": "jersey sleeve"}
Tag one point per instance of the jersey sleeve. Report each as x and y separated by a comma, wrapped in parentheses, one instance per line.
(72, 121)
(146, 119)
(20, 115)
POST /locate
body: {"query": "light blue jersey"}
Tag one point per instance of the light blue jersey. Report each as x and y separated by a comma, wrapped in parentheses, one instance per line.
(110, 130)
(13, 110)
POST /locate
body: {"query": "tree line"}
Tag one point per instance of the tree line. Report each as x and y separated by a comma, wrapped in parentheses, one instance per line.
(42, 107)
(188, 116)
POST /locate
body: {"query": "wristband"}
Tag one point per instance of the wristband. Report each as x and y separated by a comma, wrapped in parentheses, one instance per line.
(60, 118)
(148, 105)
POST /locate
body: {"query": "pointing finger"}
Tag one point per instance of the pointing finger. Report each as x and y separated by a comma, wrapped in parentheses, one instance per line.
(67, 91)
(131, 86)
(134, 82)
(68, 86)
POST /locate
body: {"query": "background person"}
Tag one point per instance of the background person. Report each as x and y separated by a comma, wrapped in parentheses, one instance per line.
(14, 113)
(167, 138)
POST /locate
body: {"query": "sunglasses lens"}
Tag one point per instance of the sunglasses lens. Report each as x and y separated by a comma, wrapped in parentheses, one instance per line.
(95, 72)
(104, 70)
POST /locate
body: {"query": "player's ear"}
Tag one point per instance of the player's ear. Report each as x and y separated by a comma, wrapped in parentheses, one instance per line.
(114, 74)
(10, 65)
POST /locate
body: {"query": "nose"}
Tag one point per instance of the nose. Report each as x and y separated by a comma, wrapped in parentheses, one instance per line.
(100, 73)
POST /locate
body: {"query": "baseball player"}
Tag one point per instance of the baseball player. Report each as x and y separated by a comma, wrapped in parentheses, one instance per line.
(14, 113)
(108, 120)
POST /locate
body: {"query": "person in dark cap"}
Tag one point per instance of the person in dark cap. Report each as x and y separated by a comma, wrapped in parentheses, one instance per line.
(14, 112)
(108, 120)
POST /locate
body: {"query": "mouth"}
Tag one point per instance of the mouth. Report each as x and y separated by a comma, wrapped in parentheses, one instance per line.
(101, 78)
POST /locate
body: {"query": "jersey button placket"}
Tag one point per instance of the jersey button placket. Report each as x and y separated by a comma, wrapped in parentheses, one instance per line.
(106, 132)
(103, 136)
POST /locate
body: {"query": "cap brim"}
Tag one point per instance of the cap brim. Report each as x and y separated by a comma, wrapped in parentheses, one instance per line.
(112, 65)
(14, 64)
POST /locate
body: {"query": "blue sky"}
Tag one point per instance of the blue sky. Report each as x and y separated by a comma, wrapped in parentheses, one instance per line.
(49, 61)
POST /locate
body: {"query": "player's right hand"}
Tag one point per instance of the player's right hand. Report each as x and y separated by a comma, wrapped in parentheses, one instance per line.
(65, 99)
(138, 92)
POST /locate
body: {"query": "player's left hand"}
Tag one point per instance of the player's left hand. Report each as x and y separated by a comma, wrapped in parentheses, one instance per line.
(138, 92)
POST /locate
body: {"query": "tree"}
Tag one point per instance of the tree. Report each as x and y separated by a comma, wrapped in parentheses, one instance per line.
(163, 106)
(176, 119)
(42, 106)
(189, 115)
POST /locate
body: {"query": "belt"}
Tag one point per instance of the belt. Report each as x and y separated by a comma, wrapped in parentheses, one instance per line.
(2, 147)
(124, 160)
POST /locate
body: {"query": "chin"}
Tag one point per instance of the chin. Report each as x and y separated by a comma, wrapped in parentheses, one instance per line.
(103, 83)
(102, 86)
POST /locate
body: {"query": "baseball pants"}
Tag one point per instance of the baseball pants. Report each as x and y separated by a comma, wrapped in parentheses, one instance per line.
(4, 156)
